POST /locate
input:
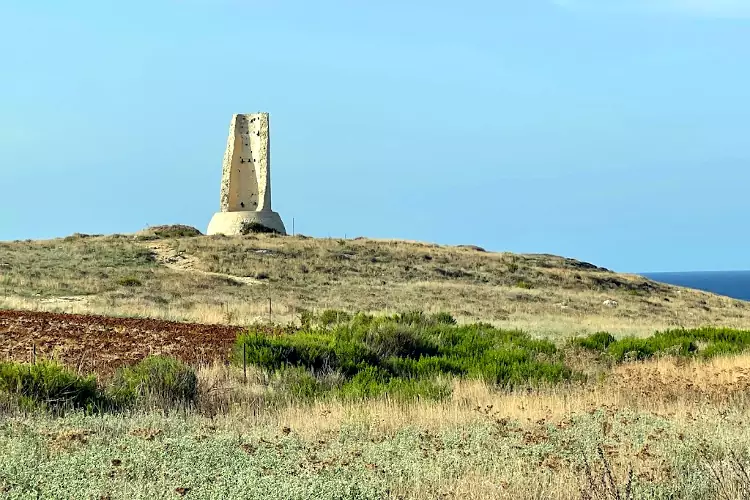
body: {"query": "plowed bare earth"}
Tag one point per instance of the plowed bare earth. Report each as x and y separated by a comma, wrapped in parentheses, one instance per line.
(102, 344)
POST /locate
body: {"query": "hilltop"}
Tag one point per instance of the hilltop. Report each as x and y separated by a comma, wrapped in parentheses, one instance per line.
(407, 405)
(174, 273)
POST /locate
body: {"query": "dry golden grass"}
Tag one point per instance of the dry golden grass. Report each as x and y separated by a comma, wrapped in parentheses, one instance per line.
(671, 387)
(229, 280)
(654, 418)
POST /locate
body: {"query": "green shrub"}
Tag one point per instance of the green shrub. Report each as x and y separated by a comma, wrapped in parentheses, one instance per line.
(49, 384)
(444, 318)
(406, 355)
(720, 348)
(596, 341)
(299, 383)
(373, 383)
(397, 339)
(129, 281)
(411, 318)
(632, 348)
(740, 338)
(426, 367)
(315, 352)
(538, 346)
(361, 321)
(679, 342)
(306, 319)
(155, 379)
(331, 317)
(367, 383)
(411, 389)
(255, 227)
(515, 366)
(174, 231)
(472, 340)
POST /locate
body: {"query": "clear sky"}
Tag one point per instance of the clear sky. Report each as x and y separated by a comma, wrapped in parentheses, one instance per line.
(616, 132)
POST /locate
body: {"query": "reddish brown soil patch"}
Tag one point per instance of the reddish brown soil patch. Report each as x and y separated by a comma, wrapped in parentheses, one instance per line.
(102, 344)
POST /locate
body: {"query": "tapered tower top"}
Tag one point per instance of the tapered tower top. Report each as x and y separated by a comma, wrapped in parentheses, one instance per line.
(246, 177)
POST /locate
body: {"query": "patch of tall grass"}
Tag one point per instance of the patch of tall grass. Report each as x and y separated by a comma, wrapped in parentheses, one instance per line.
(46, 385)
(161, 380)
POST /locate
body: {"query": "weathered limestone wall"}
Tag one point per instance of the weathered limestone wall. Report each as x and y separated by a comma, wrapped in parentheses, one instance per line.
(246, 178)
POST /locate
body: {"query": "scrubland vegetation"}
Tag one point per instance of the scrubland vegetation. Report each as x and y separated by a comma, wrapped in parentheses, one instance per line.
(550, 377)
(409, 405)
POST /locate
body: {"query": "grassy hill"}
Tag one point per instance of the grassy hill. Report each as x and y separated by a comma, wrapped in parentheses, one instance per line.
(165, 273)
(406, 406)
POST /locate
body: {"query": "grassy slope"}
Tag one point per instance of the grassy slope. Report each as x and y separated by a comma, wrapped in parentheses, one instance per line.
(191, 279)
(670, 421)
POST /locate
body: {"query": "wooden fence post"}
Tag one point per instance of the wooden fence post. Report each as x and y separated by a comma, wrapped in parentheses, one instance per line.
(244, 360)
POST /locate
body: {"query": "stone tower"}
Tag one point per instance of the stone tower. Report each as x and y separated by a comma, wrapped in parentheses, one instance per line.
(246, 178)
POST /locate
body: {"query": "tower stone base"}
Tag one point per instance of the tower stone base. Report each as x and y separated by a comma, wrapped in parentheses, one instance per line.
(231, 223)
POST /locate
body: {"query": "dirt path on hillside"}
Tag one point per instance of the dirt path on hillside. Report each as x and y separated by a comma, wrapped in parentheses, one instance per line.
(168, 256)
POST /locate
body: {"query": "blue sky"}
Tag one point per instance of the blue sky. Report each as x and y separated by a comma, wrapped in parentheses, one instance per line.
(613, 132)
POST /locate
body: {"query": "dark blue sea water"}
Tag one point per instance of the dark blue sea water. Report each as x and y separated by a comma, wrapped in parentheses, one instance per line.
(734, 284)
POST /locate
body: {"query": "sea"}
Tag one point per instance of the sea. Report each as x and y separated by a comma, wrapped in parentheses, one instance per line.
(735, 284)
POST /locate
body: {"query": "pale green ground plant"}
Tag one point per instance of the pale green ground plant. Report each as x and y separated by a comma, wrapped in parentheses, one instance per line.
(482, 443)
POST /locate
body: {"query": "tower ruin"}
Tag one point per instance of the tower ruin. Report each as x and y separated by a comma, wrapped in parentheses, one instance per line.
(246, 179)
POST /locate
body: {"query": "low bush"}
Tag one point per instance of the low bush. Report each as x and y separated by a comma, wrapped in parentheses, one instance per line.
(720, 348)
(596, 342)
(444, 318)
(415, 318)
(129, 281)
(524, 285)
(298, 383)
(314, 351)
(49, 385)
(331, 317)
(174, 231)
(411, 318)
(255, 227)
(156, 379)
(327, 318)
(372, 382)
(166, 232)
(706, 342)
(399, 340)
(631, 348)
(306, 319)
(426, 367)
(403, 355)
